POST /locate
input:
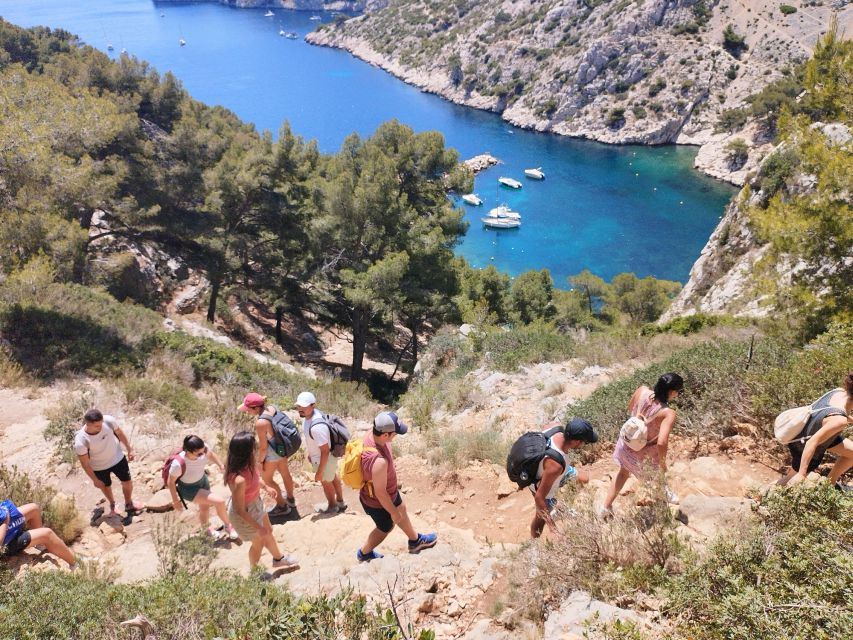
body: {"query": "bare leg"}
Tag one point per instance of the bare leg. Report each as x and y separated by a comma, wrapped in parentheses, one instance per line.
(270, 542)
(32, 514)
(405, 524)
(339, 489)
(208, 499)
(329, 491)
(374, 539)
(616, 486)
(844, 451)
(204, 515)
(127, 490)
(286, 478)
(108, 494)
(255, 551)
(267, 472)
(53, 543)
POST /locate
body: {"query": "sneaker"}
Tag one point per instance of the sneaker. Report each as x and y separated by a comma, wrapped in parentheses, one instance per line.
(280, 510)
(216, 535)
(327, 510)
(367, 557)
(423, 541)
(671, 496)
(342, 506)
(134, 507)
(291, 501)
(232, 534)
(286, 562)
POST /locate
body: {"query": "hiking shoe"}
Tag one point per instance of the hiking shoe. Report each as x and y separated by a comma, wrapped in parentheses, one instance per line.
(291, 501)
(342, 506)
(286, 562)
(216, 535)
(134, 507)
(423, 541)
(280, 510)
(232, 534)
(367, 557)
(327, 510)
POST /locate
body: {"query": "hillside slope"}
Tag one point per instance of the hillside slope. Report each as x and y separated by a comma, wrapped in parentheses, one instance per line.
(647, 72)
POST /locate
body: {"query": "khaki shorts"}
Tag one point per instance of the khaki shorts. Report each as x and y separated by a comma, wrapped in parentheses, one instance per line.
(331, 469)
(256, 512)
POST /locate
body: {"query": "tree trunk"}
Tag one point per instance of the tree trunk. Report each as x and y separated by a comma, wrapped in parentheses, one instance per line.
(359, 343)
(589, 300)
(215, 283)
(279, 312)
(414, 329)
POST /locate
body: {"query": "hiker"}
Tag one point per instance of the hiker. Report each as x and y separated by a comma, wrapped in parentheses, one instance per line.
(246, 507)
(22, 527)
(98, 446)
(187, 482)
(318, 437)
(271, 461)
(379, 494)
(831, 414)
(652, 407)
(551, 475)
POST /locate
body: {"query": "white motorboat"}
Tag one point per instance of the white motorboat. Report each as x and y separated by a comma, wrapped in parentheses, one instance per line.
(509, 182)
(292, 35)
(494, 222)
(504, 211)
(182, 42)
(536, 173)
(282, 32)
(472, 199)
(315, 18)
(268, 14)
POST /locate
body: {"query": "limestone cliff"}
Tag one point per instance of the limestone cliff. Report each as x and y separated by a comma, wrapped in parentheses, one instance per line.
(617, 71)
(302, 5)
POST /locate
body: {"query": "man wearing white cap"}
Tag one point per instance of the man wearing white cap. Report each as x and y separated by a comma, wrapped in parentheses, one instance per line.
(380, 495)
(318, 437)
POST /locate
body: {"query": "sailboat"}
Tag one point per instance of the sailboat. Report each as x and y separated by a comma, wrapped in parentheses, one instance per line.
(269, 14)
(182, 42)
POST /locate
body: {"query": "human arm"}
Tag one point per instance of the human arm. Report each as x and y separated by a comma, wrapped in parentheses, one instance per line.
(238, 501)
(215, 459)
(379, 474)
(830, 427)
(171, 484)
(125, 441)
(666, 425)
(272, 492)
(87, 468)
(263, 442)
(551, 472)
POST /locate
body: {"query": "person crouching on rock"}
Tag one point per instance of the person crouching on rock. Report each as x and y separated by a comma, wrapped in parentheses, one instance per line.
(246, 507)
(551, 475)
(831, 415)
(98, 446)
(380, 496)
(188, 483)
(22, 527)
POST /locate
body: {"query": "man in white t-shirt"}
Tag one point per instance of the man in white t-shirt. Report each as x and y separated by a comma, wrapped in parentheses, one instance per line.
(98, 446)
(317, 438)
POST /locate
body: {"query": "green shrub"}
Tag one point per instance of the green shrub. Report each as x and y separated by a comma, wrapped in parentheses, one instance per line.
(184, 607)
(737, 152)
(177, 399)
(58, 511)
(775, 171)
(787, 9)
(455, 448)
(180, 550)
(537, 342)
(616, 118)
(64, 419)
(731, 120)
(785, 576)
(685, 325)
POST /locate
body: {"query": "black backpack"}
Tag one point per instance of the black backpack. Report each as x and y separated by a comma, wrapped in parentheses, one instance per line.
(286, 439)
(339, 434)
(522, 463)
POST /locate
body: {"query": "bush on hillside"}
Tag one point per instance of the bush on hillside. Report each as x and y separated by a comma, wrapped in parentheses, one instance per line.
(716, 386)
(785, 576)
(178, 400)
(537, 342)
(64, 419)
(184, 607)
(59, 511)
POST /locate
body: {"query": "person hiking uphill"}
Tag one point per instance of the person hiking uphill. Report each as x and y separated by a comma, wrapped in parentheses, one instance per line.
(551, 475)
(187, 482)
(380, 496)
(830, 415)
(271, 459)
(98, 446)
(318, 438)
(653, 410)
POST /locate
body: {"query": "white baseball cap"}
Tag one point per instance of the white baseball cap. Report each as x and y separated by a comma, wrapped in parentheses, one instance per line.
(305, 399)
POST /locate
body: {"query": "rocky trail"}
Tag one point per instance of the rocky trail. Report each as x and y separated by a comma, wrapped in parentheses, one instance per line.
(481, 518)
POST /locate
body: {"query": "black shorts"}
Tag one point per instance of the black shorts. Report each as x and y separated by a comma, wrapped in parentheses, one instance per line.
(796, 449)
(120, 469)
(18, 544)
(381, 518)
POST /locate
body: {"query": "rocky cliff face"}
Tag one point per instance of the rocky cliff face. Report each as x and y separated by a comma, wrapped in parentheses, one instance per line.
(303, 5)
(617, 71)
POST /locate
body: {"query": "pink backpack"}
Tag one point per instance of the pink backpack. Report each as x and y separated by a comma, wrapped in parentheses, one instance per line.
(164, 471)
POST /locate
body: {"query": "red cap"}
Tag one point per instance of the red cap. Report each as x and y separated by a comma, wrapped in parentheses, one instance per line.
(252, 401)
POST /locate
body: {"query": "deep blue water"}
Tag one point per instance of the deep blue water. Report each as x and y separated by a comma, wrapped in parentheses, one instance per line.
(605, 208)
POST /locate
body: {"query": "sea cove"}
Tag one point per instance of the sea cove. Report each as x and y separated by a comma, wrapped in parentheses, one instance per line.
(605, 208)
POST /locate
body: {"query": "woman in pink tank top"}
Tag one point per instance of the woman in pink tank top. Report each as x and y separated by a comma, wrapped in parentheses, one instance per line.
(653, 406)
(246, 507)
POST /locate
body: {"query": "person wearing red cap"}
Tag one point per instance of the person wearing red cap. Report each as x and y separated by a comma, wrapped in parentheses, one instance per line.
(380, 496)
(255, 404)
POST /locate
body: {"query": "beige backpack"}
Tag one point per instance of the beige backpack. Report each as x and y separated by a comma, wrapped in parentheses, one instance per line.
(789, 424)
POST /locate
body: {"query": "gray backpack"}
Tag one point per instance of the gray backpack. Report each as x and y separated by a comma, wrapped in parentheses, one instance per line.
(339, 433)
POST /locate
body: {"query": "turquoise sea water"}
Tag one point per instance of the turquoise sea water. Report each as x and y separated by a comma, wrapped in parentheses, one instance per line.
(605, 208)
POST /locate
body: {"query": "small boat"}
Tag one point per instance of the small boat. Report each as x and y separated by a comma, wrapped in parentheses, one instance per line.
(282, 32)
(292, 35)
(315, 18)
(110, 47)
(504, 211)
(123, 51)
(509, 182)
(472, 199)
(268, 14)
(494, 222)
(536, 173)
(182, 42)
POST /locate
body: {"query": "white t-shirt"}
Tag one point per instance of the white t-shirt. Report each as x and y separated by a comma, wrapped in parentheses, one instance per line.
(315, 437)
(103, 447)
(194, 468)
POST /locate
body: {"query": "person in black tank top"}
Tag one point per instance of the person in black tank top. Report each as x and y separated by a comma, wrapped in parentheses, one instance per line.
(823, 433)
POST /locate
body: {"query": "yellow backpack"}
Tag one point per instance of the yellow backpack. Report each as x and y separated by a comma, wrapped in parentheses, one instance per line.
(351, 473)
